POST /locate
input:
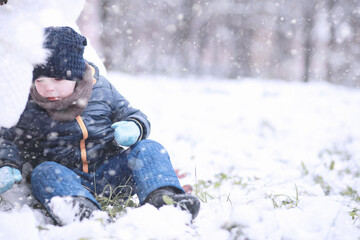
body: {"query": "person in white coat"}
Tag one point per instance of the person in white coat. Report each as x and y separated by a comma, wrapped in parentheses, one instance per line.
(21, 47)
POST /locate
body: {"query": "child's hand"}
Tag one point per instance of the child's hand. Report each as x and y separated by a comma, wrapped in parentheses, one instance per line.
(126, 133)
(8, 176)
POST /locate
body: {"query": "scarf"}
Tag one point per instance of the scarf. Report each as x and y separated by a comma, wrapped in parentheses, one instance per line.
(70, 107)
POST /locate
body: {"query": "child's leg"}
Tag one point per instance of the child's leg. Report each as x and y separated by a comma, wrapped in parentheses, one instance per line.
(144, 167)
(151, 168)
(50, 179)
(154, 177)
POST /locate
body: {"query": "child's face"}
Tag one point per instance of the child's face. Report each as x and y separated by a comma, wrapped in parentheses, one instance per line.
(54, 89)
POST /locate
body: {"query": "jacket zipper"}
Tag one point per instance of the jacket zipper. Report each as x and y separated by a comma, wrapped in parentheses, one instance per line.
(82, 144)
(85, 134)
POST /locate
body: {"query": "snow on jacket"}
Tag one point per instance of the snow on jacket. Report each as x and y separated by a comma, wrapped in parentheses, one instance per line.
(84, 143)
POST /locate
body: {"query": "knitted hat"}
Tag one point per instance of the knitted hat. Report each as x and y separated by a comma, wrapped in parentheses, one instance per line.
(66, 60)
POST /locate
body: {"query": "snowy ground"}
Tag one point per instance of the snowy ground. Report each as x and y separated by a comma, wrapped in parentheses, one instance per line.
(270, 160)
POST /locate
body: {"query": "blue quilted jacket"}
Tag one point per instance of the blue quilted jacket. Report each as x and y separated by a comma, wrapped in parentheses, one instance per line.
(84, 143)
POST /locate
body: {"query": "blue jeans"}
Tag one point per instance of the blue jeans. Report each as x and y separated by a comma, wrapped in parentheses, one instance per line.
(141, 169)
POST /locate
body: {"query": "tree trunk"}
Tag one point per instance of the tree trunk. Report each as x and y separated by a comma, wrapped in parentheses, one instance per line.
(308, 48)
(331, 42)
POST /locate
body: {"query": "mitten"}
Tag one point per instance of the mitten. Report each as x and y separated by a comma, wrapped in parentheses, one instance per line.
(126, 133)
(8, 176)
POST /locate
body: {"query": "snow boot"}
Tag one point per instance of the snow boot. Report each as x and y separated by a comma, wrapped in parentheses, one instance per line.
(86, 207)
(80, 208)
(186, 202)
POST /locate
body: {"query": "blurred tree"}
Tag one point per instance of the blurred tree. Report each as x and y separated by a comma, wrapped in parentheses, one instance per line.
(309, 13)
(343, 43)
(242, 31)
(233, 38)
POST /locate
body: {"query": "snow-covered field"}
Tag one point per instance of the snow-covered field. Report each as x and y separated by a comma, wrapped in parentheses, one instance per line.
(270, 160)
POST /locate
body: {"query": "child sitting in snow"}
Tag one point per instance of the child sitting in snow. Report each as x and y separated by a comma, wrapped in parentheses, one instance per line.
(75, 130)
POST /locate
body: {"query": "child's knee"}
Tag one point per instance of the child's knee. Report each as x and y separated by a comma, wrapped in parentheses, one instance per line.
(47, 170)
(148, 145)
(43, 168)
(147, 152)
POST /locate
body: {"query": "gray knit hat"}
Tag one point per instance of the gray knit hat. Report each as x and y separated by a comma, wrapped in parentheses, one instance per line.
(66, 60)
